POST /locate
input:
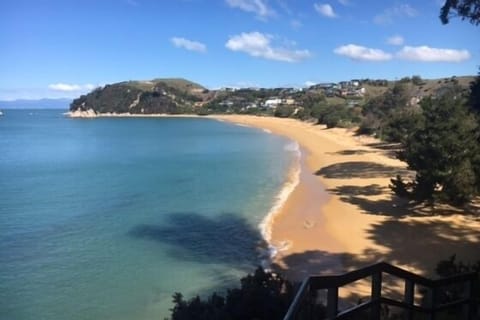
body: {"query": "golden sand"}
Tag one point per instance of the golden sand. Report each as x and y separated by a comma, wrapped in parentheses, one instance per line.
(342, 215)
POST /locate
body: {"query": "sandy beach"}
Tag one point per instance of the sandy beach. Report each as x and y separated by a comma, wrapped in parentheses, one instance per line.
(342, 215)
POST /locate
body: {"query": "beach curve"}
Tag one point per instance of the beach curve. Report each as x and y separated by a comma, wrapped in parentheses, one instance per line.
(342, 215)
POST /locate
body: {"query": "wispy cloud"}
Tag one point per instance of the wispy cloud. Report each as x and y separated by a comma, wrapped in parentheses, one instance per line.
(395, 40)
(188, 44)
(296, 24)
(357, 52)
(133, 3)
(399, 11)
(325, 10)
(428, 54)
(259, 45)
(285, 7)
(65, 87)
(344, 2)
(258, 7)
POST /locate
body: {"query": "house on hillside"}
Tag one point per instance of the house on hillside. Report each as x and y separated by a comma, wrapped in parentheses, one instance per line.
(272, 102)
(353, 92)
(288, 101)
(324, 86)
(226, 103)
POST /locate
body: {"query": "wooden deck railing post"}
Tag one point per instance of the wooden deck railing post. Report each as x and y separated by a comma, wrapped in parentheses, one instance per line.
(312, 296)
(376, 295)
(469, 307)
(409, 296)
(332, 303)
(432, 302)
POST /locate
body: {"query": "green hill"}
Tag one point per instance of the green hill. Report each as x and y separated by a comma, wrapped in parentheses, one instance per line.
(143, 97)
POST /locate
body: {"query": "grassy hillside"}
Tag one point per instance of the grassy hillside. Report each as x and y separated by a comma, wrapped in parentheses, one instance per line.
(174, 83)
(176, 95)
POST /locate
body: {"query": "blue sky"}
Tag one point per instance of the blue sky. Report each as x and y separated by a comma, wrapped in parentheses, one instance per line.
(63, 48)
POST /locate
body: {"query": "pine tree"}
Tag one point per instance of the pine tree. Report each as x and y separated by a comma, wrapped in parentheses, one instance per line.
(442, 151)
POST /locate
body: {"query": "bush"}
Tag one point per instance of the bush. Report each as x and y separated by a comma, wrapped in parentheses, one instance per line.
(283, 111)
(451, 267)
(262, 295)
(331, 120)
(417, 80)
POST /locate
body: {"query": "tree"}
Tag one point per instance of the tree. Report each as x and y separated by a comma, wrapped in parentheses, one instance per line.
(474, 99)
(474, 103)
(443, 151)
(401, 124)
(417, 80)
(378, 112)
(284, 111)
(465, 9)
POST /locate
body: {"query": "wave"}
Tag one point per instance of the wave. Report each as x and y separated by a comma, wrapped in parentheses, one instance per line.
(266, 226)
(242, 125)
(293, 146)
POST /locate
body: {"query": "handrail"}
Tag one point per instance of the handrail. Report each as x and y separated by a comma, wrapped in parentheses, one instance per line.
(332, 282)
(296, 304)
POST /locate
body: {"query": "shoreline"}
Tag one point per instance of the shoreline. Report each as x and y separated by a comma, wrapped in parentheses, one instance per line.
(267, 223)
(342, 215)
(91, 114)
(302, 196)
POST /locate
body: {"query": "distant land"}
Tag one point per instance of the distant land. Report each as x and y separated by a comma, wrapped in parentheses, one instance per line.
(36, 104)
(177, 96)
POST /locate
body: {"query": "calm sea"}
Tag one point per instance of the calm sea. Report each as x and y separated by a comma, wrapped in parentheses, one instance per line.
(107, 218)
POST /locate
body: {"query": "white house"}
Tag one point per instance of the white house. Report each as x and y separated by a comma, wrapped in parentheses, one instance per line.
(272, 102)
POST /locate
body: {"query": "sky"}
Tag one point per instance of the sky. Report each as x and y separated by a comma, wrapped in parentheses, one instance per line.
(64, 48)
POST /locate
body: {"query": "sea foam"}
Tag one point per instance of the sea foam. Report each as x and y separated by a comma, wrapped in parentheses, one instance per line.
(292, 180)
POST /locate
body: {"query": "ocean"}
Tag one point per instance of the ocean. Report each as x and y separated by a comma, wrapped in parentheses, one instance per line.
(107, 218)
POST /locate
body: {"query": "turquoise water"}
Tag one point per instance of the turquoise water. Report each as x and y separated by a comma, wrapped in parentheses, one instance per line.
(107, 218)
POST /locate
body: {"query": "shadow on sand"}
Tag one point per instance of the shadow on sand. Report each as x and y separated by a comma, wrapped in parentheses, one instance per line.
(390, 205)
(418, 244)
(359, 169)
(349, 152)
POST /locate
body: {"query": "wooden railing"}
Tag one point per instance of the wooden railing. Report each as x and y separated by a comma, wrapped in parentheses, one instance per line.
(303, 305)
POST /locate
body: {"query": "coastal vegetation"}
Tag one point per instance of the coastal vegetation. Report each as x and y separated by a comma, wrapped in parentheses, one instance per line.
(441, 145)
(262, 295)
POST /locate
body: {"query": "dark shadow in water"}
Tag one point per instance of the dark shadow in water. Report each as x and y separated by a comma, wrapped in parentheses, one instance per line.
(226, 238)
(359, 169)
